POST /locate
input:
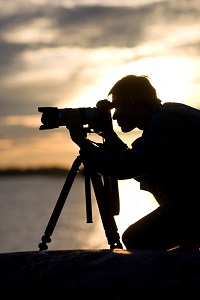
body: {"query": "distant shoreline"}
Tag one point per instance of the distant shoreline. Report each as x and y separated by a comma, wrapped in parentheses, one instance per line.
(48, 171)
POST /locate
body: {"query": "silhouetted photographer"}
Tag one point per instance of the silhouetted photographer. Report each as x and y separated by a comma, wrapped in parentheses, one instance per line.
(164, 159)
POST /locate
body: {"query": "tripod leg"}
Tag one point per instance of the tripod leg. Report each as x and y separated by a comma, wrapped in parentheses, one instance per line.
(59, 205)
(112, 194)
(108, 220)
(88, 196)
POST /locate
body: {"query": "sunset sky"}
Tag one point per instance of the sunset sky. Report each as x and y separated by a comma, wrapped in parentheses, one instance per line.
(70, 53)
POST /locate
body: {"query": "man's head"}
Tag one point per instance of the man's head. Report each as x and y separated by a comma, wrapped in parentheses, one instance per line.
(133, 98)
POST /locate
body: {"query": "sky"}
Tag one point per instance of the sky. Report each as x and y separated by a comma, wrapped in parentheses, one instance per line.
(70, 53)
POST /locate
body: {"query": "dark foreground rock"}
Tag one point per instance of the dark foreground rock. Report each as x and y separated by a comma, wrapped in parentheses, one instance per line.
(100, 274)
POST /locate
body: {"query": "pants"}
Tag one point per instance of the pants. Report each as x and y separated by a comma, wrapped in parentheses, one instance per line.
(168, 226)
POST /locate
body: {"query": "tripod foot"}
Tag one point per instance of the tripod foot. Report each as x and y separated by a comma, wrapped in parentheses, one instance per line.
(42, 246)
(117, 245)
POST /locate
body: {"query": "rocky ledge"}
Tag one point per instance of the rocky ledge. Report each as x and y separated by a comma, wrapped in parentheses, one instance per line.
(100, 274)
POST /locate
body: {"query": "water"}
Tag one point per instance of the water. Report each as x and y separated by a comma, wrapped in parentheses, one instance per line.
(27, 203)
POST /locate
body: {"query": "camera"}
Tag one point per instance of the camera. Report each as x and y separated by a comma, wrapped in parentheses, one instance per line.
(94, 119)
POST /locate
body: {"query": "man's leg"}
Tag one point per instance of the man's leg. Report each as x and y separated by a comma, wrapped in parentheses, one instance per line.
(164, 228)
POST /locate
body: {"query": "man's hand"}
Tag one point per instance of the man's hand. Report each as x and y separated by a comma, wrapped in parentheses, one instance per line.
(106, 126)
(104, 105)
(75, 126)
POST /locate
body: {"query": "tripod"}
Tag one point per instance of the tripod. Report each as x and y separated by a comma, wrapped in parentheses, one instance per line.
(106, 192)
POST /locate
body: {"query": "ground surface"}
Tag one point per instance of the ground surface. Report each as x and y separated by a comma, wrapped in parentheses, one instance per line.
(100, 274)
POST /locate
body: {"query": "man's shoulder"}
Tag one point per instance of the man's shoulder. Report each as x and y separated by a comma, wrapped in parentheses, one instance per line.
(178, 111)
(176, 106)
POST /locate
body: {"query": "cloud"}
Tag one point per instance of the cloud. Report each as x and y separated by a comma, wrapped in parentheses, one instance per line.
(40, 28)
(70, 56)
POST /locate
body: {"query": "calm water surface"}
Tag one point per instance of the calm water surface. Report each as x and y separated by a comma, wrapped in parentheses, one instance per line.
(26, 205)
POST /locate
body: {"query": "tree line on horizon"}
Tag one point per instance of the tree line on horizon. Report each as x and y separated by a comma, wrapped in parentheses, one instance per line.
(48, 171)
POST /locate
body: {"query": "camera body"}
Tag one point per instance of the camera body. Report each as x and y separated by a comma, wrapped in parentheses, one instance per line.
(94, 119)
